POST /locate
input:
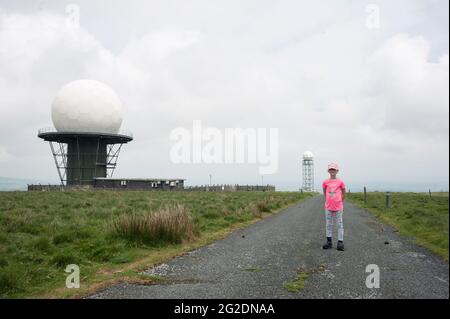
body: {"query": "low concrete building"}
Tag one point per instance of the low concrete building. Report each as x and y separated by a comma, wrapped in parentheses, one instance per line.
(140, 183)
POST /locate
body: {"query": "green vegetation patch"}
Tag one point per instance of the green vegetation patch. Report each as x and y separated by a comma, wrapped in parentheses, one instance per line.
(42, 232)
(298, 284)
(417, 215)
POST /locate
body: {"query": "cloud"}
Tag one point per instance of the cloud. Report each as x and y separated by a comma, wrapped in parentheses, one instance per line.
(411, 92)
(4, 155)
(356, 96)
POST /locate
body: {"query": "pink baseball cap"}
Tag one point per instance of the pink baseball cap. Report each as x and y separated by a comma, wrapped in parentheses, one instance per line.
(333, 166)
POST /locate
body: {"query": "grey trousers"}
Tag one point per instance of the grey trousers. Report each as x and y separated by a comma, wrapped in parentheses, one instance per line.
(329, 223)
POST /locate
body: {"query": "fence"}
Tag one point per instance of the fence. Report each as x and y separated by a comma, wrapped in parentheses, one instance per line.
(203, 188)
(231, 188)
(57, 188)
(388, 196)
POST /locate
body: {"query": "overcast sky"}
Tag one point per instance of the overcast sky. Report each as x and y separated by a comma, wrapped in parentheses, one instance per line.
(373, 99)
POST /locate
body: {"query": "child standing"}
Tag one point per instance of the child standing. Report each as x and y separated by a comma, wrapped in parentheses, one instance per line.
(334, 192)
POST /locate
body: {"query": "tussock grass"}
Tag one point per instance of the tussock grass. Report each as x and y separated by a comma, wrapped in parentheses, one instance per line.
(171, 224)
(417, 215)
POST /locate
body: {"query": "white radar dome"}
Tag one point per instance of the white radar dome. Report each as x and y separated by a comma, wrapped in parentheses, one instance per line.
(308, 155)
(87, 106)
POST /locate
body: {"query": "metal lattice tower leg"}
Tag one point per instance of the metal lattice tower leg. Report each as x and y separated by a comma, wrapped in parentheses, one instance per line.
(82, 157)
(70, 161)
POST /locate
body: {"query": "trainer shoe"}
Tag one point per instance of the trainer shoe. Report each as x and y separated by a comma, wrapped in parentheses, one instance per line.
(328, 244)
(340, 246)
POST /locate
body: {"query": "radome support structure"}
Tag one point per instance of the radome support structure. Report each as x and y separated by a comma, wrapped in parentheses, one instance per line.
(308, 171)
(81, 157)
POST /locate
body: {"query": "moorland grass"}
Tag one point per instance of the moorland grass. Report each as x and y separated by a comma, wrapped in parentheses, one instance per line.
(42, 232)
(170, 224)
(417, 215)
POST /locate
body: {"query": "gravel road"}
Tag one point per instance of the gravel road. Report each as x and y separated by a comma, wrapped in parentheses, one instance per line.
(256, 261)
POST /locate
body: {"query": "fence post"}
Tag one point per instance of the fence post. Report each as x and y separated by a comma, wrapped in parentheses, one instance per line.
(429, 192)
(387, 200)
(365, 195)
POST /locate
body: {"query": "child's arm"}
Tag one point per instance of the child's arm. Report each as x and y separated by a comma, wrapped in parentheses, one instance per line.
(343, 193)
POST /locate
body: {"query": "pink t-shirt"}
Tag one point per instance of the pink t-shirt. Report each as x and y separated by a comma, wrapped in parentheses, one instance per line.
(333, 194)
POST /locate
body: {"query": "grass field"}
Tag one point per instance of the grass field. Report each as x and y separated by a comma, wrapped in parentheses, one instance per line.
(110, 235)
(417, 215)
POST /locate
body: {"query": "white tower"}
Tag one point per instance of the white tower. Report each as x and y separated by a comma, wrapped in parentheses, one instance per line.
(308, 171)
